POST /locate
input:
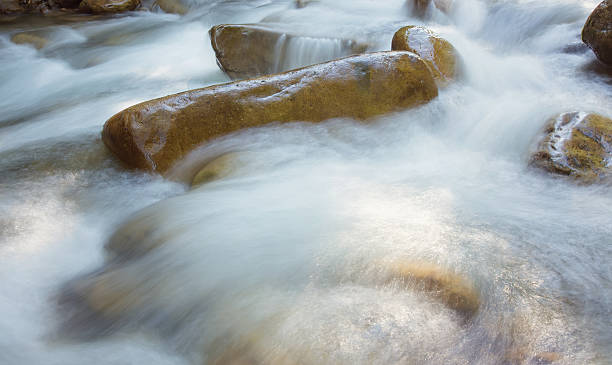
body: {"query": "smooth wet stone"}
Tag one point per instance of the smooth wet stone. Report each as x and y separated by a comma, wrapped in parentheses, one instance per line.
(452, 289)
(597, 32)
(32, 39)
(438, 53)
(577, 144)
(108, 6)
(155, 134)
(251, 50)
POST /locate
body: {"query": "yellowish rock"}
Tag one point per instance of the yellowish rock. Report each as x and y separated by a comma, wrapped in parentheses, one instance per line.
(438, 53)
(155, 134)
(32, 39)
(577, 144)
(452, 289)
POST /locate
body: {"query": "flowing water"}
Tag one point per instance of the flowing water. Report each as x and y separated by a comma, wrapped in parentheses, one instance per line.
(280, 260)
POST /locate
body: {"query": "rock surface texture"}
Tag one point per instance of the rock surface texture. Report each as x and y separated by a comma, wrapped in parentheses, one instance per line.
(578, 144)
(597, 32)
(155, 134)
(438, 53)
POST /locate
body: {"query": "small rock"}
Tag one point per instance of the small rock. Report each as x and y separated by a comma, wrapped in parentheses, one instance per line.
(172, 6)
(577, 144)
(438, 53)
(108, 6)
(218, 168)
(252, 50)
(597, 32)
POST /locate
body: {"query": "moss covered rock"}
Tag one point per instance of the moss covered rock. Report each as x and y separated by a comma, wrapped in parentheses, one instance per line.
(251, 50)
(438, 53)
(155, 134)
(578, 144)
(108, 6)
(597, 32)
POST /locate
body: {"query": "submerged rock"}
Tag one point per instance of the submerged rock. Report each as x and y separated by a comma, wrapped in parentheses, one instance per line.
(220, 167)
(172, 6)
(419, 8)
(155, 134)
(454, 290)
(108, 6)
(438, 53)
(250, 50)
(597, 32)
(578, 144)
(32, 39)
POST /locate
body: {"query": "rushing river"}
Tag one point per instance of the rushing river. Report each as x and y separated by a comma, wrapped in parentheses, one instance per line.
(278, 262)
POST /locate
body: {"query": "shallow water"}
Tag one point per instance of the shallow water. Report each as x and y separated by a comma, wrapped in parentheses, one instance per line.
(281, 260)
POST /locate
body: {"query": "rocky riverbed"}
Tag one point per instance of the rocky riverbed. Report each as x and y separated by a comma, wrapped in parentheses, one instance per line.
(305, 182)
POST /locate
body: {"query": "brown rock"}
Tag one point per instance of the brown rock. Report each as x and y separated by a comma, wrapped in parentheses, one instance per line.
(578, 144)
(155, 134)
(454, 290)
(108, 6)
(597, 32)
(251, 50)
(438, 53)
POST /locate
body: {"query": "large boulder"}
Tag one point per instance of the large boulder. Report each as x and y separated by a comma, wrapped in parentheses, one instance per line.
(251, 50)
(108, 6)
(578, 144)
(438, 53)
(597, 32)
(155, 134)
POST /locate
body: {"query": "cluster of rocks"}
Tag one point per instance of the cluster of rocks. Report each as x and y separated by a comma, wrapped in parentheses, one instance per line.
(10, 7)
(155, 134)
